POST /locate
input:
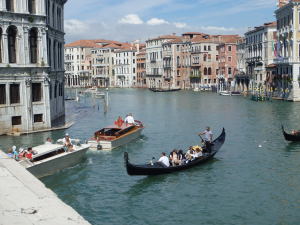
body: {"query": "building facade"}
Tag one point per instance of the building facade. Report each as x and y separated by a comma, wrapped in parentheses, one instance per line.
(260, 53)
(287, 78)
(125, 68)
(141, 69)
(154, 60)
(31, 65)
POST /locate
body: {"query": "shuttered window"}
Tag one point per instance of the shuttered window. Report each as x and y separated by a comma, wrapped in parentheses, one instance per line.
(37, 118)
(36, 92)
(2, 94)
(14, 93)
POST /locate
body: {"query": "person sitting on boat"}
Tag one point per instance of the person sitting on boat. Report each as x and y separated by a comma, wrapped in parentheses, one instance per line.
(164, 160)
(15, 153)
(295, 132)
(129, 120)
(67, 142)
(10, 153)
(119, 122)
(29, 153)
(48, 141)
(208, 136)
(189, 154)
(181, 156)
(174, 158)
(197, 153)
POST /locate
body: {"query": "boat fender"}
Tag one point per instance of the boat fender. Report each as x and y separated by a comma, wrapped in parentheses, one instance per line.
(99, 147)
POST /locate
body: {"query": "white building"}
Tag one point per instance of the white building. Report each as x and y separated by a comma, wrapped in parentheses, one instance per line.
(288, 48)
(154, 60)
(125, 68)
(78, 63)
(259, 50)
(31, 65)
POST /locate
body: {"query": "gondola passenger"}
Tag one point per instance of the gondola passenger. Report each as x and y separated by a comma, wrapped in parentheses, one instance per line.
(175, 158)
(164, 160)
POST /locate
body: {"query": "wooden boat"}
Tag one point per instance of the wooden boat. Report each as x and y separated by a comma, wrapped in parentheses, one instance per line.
(156, 169)
(114, 136)
(290, 137)
(164, 90)
(51, 158)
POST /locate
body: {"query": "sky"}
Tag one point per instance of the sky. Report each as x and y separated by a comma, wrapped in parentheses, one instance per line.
(130, 20)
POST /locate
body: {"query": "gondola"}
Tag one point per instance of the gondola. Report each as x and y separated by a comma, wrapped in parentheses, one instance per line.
(164, 90)
(156, 169)
(290, 137)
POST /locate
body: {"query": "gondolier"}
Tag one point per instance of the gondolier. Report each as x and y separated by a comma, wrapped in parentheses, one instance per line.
(208, 136)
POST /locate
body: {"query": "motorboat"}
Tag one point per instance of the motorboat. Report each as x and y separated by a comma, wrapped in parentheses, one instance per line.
(92, 89)
(116, 135)
(225, 93)
(99, 94)
(50, 158)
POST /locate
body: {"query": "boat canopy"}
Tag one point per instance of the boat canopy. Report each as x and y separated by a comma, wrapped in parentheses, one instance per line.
(45, 149)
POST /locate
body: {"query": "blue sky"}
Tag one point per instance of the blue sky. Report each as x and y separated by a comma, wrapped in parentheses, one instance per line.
(128, 20)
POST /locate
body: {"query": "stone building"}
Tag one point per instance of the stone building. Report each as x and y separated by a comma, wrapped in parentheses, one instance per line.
(287, 78)
(31, 65)
(141, 69)
(154, 60)
(78, 63)
(125, 67)
(260, 53)
(227, 62)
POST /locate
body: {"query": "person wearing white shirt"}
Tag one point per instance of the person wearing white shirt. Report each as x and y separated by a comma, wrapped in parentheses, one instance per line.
(129, 119)
(164, 160)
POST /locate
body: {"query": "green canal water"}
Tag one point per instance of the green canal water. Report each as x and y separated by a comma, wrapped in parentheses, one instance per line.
(254, 179)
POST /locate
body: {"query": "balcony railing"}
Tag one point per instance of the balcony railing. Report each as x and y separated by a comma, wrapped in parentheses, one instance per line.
(153, 75)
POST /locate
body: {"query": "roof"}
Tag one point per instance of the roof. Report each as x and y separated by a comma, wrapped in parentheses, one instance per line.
(269, 24)
(216, 39)
(164, 37)
(83, 43)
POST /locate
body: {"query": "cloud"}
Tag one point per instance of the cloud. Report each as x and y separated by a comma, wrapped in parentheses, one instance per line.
(180, 25)
(131, 19)
(157, 21)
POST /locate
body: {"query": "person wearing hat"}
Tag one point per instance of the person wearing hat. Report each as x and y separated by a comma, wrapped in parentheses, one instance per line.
(129, 120)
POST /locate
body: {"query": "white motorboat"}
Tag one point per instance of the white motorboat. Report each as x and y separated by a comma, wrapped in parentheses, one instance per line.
(114, 136)
(50, 158)
(225, 93)
(92, 89)
(99, 94)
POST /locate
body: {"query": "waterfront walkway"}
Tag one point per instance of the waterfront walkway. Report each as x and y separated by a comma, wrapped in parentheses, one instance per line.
(25, 200)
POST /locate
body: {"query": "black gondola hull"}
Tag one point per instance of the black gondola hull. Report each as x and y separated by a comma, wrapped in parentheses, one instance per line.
(146, 170)
(163, 90)
(290, 137)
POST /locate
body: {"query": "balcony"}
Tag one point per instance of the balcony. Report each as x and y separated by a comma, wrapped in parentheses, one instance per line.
(280, 60)
(152, 60)
(153, 75)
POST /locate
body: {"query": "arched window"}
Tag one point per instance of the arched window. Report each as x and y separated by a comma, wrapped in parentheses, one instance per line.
(10, 5)
(205, 71)
(205, 57)
(11, 39)
(31, 6)
(33, 45)
(209, 71)
(0, 45)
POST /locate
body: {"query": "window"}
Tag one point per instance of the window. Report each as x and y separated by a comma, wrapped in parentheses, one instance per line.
(31, 6)
(205, 58)
(36, 92)
(229, 59)
(38, 118)
(229, 48)
(133, 70)
(55, 90)
(12, 34)
(16, 120)
(10, 5)
(209, 71)
(2, 94)
(33, 45)
(229, 71)
(205, 71)
(209, 57)
(205, 48)
(14, 93)
(209, 48)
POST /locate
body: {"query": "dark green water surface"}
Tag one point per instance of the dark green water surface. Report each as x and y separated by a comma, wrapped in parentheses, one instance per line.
(254, 179)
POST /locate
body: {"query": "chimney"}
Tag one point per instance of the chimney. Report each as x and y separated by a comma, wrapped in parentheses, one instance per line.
(282, 3)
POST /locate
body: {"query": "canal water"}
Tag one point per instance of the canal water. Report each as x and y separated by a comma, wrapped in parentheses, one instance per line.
(254, 179)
